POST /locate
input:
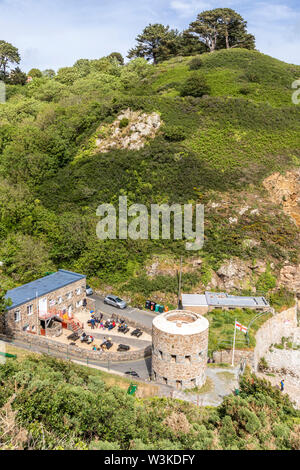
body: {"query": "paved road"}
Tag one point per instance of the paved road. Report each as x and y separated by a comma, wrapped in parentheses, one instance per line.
(143, 317)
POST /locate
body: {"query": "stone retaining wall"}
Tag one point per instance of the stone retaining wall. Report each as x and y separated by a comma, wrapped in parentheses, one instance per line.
(76, 352)
(280, 325)
(225, 356)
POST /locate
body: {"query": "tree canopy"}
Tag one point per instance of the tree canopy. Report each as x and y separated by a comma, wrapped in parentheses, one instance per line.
(157, 43)
(9, 55)
(222, 28)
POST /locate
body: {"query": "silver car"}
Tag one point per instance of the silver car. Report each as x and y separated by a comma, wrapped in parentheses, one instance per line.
(89, 290)
(115, 301)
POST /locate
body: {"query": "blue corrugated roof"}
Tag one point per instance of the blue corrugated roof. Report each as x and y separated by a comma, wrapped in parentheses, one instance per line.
(40, 287)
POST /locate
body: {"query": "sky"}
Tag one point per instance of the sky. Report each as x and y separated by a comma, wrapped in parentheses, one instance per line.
(55, 33)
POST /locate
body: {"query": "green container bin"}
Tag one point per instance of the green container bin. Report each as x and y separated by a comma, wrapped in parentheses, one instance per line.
(161, 309)
(157, 307)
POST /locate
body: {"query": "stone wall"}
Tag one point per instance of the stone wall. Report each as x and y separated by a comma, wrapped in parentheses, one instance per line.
(225, 356)
(280, 325)
(65, 351)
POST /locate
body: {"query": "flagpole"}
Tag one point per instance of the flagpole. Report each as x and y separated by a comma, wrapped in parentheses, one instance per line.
(233, 348)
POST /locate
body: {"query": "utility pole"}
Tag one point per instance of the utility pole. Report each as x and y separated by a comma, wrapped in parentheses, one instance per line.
(179, 286)
(233, 348)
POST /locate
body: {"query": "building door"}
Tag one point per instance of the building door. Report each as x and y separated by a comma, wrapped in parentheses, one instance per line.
(43, 306)
(70, 311)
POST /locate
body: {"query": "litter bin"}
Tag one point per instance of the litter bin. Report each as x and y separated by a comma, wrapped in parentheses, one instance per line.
(161, 309)
(152, 306)
(236, 392)
(157, 308)
(148, 304)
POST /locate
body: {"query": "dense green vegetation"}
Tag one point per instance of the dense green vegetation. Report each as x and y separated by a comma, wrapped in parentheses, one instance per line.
(215, 148)
(51, 404)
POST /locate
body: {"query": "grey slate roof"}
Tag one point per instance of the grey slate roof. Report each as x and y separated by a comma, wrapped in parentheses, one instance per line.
(45, 285)
(222, 299)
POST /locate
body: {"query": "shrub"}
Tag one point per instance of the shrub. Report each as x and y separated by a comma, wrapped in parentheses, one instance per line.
(246, 90)
(195, 63)
(263, 365)
(174, 133)
(196, 86)
(124, 123)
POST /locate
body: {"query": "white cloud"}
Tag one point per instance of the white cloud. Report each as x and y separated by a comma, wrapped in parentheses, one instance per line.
(187, 8)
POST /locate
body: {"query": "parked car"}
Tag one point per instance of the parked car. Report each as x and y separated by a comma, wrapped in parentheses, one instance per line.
(115, 301)
(89, 290)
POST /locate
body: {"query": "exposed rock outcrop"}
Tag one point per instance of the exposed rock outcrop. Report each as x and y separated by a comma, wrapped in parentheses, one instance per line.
(129, 131)
(290, 277)
(234, 273)
(285, 190)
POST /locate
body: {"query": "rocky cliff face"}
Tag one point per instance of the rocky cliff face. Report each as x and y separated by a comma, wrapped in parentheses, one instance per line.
(285, 190)
(129, 131)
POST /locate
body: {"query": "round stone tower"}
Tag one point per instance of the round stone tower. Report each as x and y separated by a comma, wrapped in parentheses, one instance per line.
(179, 349)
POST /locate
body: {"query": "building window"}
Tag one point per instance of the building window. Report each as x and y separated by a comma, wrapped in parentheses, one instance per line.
(173, 358)
(17, 316)
(59, 300)
(165, 380)
(188, 359)
(69, 295)
(78, 291)
(160, 354)
(79, 303)
(29, 309)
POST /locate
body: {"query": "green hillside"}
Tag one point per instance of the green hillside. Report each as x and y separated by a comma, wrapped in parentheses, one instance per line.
(48, 404)
(214, 148)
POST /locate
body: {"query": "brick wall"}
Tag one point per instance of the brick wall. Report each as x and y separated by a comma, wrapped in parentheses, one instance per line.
(53, 298)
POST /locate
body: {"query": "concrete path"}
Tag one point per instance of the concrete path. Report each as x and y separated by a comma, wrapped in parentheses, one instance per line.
(224, 382)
